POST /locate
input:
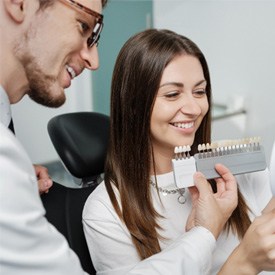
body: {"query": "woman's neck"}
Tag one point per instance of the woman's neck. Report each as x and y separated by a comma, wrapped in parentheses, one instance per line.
(163, 163)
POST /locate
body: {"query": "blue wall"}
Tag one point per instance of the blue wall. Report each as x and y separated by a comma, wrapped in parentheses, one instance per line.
(122, 20)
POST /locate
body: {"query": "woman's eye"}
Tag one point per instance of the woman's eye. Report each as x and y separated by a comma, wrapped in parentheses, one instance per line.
(199, 93)
(172, 95)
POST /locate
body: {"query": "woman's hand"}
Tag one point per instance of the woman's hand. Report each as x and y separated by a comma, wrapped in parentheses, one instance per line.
(256, 252)
(212, 210)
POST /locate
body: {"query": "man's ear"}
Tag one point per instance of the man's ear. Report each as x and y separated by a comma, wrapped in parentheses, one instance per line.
(15, 9)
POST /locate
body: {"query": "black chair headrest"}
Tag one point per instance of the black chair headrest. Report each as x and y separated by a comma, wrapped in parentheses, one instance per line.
(81, 141)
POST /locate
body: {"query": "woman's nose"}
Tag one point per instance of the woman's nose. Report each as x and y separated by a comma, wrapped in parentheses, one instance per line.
(90, 57)
(190, 106)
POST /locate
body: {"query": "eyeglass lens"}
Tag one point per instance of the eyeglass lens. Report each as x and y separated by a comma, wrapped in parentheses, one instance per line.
(93, 39)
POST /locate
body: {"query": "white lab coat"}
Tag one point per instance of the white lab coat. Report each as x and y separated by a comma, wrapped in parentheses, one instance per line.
(28, 243)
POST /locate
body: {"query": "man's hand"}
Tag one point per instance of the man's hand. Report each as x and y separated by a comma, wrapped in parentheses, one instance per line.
(212, 210)
(43, 178)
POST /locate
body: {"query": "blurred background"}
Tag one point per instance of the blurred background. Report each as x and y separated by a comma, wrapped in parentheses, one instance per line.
(237, 38)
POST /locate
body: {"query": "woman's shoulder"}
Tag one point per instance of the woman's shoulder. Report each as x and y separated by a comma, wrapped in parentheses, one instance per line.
(98, 204)
(99, 194)
(98, 199)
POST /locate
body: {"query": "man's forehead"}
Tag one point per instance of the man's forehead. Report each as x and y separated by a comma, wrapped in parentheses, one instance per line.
(95, 5)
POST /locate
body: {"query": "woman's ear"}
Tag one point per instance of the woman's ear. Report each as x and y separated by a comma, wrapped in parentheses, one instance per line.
(15, 9)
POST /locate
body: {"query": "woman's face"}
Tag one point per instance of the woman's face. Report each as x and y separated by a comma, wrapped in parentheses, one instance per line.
(181, 103)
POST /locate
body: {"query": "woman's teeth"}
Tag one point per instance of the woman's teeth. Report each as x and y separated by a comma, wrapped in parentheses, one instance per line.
(184, 125)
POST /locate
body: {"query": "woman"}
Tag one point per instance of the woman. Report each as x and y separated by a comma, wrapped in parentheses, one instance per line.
(161, 98)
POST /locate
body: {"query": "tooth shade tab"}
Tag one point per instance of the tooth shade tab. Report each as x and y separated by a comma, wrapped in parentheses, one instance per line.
(240, 156)
(220, 148)
(225, 147)
(182, 152)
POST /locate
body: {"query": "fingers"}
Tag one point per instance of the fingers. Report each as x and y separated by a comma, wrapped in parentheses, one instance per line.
(43, 178)
(41, 171)
(220, 186)
(44, 185)
(270, 206)
(224, 172)
(227, 182)
(202, 184)
(266, 223)
(205, 211)
(259, 243)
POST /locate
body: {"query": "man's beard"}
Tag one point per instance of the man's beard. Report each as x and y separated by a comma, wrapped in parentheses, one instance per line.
(43, 89)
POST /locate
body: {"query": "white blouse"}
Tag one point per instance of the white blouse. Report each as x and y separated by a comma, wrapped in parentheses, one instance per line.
(193, 252)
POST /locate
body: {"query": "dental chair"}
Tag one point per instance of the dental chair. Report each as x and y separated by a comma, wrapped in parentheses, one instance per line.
(80, 140)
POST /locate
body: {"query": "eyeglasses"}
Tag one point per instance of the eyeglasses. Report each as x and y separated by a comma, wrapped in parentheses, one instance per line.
(93, 39)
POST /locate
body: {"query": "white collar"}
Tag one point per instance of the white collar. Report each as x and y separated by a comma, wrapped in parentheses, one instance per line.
(5, 108)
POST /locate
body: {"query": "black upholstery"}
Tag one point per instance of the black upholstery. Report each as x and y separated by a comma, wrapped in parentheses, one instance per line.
(64, 210)
(80, 140)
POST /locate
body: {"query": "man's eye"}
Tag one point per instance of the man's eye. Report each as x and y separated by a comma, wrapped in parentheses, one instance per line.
(84, 27)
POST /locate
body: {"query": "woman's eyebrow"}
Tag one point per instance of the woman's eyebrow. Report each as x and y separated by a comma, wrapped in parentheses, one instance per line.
(200, 82)
(179, 84)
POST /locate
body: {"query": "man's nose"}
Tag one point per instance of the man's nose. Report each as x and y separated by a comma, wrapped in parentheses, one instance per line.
(90, 57)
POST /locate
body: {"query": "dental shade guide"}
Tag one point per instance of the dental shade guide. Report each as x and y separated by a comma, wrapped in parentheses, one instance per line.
(239, 156)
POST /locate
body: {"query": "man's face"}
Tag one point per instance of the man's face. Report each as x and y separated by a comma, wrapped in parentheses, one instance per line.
(54, 49)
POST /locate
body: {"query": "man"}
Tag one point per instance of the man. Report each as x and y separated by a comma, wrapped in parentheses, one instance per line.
(44, 181)
(44, 45)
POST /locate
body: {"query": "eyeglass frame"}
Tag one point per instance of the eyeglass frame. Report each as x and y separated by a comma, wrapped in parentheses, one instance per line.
(94, 37)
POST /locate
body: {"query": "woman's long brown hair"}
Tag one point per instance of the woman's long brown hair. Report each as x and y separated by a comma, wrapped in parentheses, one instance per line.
(137, 75)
